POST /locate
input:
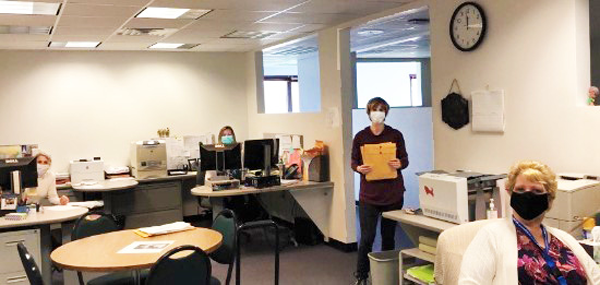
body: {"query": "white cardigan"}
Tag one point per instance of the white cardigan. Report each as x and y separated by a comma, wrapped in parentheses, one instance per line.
(491, 258)
(46, 189)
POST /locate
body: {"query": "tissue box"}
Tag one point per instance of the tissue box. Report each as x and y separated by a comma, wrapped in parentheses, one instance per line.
(592, 248)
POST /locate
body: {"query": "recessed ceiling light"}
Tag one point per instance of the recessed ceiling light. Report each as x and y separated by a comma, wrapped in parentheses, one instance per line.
(370, 32)
(75, 44)
(29, 8)
(25, 30)
(172, 13)
(157, 32)
(248, 35)
(165, 45)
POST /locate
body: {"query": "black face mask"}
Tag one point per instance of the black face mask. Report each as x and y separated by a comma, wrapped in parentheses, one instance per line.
(529, 205)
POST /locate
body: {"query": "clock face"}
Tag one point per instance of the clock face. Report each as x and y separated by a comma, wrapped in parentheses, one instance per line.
(467, 26)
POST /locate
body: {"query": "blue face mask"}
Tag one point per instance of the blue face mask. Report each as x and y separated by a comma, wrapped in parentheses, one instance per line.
(227, 139)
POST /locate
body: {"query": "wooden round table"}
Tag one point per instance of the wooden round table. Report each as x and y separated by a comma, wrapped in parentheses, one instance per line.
(100, 253)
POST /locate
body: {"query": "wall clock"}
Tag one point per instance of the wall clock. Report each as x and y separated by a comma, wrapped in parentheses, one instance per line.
(467, 26)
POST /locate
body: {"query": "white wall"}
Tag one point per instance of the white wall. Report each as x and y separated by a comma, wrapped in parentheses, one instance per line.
(84, 104)
(309, 83)
(417, 129)
(538, 52)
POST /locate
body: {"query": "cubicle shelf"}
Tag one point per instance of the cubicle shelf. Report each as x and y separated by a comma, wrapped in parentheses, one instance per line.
(413, 280)
(417, 253)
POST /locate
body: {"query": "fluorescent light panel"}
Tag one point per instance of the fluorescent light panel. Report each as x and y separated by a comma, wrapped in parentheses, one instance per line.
(172, 13)
(25, 30)
(29, 8)
(165, 45)
(248, 35)
(74, 44)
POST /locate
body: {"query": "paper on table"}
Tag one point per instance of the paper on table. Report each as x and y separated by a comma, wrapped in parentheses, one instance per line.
(164, 229)
(60, 208)
(87, 204)
(378, 156)
(488, 111)
(146, 246)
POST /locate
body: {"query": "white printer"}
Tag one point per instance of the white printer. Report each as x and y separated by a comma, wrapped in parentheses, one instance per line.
(575, 199)
(459, 197)
(149, 159)
(86, 170)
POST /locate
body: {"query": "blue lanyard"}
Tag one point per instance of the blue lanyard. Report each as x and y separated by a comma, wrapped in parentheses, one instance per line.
(545, 252)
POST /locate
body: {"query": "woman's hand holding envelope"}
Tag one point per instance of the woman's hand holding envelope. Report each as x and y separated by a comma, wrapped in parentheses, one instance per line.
(364, 169)
(395, 163)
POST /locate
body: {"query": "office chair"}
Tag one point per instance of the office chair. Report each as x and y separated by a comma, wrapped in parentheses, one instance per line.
(451, 246)
(226, 224)
(193, 268)
(95, 223)
(251, 225)
(31, 269)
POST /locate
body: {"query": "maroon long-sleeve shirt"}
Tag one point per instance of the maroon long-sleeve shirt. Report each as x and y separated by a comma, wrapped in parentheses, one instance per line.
(387, 191)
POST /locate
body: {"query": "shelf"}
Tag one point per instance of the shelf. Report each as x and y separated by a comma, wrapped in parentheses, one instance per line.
(414, 280)
(415, 252)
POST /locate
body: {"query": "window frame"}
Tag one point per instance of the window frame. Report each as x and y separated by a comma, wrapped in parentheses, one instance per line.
(289, 79)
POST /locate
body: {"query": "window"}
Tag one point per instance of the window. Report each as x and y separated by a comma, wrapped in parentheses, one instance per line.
(399, 83)
(281, 94)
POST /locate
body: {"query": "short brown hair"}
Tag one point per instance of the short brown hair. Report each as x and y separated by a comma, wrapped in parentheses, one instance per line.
(534, 171)
(376, 102)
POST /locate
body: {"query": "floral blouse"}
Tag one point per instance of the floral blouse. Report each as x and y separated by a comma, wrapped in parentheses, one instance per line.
(532, 268)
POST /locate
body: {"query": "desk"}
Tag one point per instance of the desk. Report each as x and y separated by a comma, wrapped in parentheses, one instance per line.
(107, 185)
(51, 215)
(415, 226)
(99, 253)
(315, 198)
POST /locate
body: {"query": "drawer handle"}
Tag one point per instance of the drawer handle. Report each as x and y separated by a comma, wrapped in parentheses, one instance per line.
(14, 242)
(16, 279)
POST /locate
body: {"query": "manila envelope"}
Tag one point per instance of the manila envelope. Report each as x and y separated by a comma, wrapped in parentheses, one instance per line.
(377, 156)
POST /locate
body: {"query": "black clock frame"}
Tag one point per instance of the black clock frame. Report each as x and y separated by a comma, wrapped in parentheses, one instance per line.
(483, 22)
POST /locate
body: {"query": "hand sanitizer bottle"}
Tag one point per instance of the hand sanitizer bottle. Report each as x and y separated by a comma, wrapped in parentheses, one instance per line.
(492, 213)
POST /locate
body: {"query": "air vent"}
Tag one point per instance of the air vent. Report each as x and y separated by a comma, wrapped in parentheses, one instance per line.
(248, 35)
(157, 32)
(297, 50)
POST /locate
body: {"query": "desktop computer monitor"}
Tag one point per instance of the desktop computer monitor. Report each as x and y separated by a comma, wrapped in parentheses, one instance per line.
(27, 167)
(261, 154)
(220, 157)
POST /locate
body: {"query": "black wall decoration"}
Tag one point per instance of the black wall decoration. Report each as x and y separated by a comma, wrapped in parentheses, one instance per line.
(455, 108)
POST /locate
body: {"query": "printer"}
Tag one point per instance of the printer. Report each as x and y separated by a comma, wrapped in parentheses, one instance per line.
(574, 200)
(149, 159)
(459, 197)
(86, 170)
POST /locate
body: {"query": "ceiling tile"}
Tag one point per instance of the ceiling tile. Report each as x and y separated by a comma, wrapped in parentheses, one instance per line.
(311, 18)
(139, 3)
(63, 38)
(77, 31)
(134, 39)
(95, 22)
(213, 25)
(272, 27)
(157, 23)
(308, 28)
(27, 20)
(357, 7)
(236, 15)
(195, 36)
(244, 5)
(234, 42)
(25, 38)
(123, 46)
(23, 44)
(80, 9)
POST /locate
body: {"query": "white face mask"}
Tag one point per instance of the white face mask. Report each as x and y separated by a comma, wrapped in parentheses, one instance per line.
(42, 169)
(377, 117)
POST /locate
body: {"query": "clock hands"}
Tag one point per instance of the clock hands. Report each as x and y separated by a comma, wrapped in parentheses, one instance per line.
(467, 22)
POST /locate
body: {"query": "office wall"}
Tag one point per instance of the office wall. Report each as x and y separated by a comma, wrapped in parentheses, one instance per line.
(82, 104)
(538, 53)
(309, 83)
(325, 125)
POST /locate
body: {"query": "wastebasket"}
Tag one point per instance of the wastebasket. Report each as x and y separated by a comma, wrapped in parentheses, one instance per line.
(384, 267)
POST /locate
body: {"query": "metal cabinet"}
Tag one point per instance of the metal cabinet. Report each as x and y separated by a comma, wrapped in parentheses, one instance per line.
(11, 269)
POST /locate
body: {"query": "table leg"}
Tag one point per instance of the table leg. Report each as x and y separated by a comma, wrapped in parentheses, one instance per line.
(218, 205)
(45, 249)
(137, 276)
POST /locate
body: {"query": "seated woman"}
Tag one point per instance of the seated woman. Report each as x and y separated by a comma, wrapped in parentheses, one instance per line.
(521, 249)
(226, 135)
(46, 183)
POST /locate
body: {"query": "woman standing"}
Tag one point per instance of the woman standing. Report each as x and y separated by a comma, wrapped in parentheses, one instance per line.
(377, 196)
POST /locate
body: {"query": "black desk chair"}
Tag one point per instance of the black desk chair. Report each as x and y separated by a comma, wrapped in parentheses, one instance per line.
(194, 268)
(95, 223)
(226, 224)
(31, 269)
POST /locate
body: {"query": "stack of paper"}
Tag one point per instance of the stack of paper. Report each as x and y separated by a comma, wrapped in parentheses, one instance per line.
(15, 216)
(164, 229)
(427, 244)
(422, 273)
(87, 204)
(378, 156)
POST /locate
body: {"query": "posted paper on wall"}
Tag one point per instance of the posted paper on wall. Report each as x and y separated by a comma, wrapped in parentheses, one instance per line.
(488, 111)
